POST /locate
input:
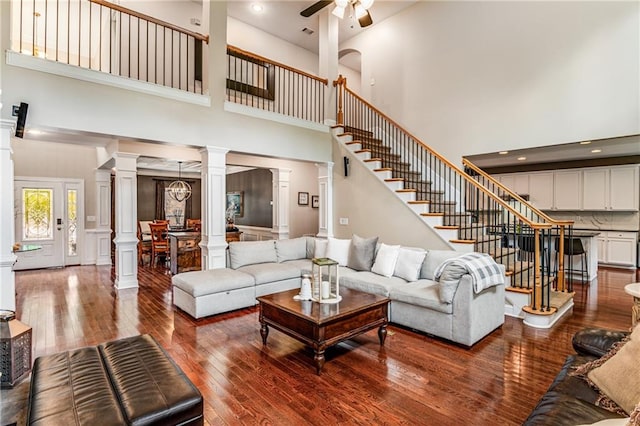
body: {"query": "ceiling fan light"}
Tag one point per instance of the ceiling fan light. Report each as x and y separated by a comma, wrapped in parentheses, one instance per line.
(360, 11)
(366, 3)
(342, 3)
(338, 11)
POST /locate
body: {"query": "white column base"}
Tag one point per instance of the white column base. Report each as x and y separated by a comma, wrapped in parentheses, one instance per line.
(214, 254)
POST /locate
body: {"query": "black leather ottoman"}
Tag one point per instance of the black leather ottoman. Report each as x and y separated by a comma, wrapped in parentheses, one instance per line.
(129, 381)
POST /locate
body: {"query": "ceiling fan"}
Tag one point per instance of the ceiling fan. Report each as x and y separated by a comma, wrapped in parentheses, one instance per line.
(360, 9)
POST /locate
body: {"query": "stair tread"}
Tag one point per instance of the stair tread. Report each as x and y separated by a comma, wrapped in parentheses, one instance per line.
(452, 227)
(372, 159)
(463, 241)
(394, 179)
(352, 143)
(406, 190)
(420, 202)
(432, 214)
(360, 151)
(518, 290)
(383, 169)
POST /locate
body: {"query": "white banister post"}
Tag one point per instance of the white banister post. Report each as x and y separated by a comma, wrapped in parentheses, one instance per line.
(281, 203)
(214, 190)
(325, 191)
(103, 217)
(126, 240)
(7, 219)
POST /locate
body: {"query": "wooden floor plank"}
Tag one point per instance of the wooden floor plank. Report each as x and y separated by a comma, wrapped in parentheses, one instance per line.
(413, 379)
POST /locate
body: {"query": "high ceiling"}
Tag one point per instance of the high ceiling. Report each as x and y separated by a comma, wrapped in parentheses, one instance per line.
(282, 19)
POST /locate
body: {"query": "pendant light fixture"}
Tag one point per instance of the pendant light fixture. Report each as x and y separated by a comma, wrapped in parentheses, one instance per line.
(179, 190)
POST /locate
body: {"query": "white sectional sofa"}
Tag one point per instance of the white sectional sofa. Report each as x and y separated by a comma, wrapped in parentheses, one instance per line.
(449, 308)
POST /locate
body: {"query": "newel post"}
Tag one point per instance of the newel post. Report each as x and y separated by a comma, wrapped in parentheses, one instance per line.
(340, 83)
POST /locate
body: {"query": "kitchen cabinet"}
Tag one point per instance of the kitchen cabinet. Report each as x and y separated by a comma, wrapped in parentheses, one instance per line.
(541, 190)
(610, 188)
(617, 248)
(566, 190)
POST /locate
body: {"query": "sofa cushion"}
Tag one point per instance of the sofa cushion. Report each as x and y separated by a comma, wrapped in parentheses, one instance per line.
(338, 250)
(409, 263)
(304, 265)
(449, 280)
(433, 259)
(370, 282)
(251, 252)
(293, 249)
(421, 293)
(269, 272)
(361, 253)
(311, 247)
(386, 259)
(200, 283)
(320, 248)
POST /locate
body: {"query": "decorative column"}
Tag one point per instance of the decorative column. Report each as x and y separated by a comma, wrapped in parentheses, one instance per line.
(325, 191)
(214, 189)
(103, 217)
(126, 240)
(7, 219)
(328, 60)
(281, 203)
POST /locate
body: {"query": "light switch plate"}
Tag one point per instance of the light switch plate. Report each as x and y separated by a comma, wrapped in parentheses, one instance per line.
(344, 221)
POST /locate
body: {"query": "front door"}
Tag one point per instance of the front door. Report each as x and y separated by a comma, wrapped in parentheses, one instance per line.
(46, 216)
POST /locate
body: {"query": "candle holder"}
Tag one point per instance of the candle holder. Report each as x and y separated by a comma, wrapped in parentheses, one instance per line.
(15, 349)
(325, 283)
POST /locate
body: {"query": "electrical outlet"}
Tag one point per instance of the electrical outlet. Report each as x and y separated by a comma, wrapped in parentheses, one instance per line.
(344, 221)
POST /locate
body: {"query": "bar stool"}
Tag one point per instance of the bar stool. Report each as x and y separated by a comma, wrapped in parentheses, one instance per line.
(573, 247)
(527, 247)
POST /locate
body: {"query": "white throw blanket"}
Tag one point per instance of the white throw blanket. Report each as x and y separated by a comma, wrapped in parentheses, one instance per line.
(484, 271)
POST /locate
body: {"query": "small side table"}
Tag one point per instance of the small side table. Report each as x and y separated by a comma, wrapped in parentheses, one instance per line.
(634, 290)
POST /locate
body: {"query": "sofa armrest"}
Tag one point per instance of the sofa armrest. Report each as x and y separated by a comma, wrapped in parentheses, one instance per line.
(596, 341)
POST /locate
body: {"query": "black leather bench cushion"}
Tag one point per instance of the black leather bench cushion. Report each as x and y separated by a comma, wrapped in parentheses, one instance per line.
(151, 387)
(72, 388)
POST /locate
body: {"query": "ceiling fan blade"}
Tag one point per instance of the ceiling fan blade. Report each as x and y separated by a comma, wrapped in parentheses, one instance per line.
(315, 7)
(365, 20)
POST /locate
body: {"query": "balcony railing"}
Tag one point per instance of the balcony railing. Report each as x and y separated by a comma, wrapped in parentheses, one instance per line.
(258, 82)
(106, 37)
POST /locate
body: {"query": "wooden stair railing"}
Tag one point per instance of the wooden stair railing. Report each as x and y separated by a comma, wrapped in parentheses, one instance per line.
(496, 221)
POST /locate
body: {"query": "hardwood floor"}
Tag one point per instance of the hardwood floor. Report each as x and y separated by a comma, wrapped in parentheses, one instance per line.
(413, 379)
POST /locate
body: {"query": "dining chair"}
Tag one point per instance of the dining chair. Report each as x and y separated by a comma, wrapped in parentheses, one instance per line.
(144, 246)
(527, 247)
(195, 224)
(159, 242)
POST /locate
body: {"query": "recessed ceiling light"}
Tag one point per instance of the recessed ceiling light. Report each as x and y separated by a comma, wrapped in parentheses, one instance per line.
(503, 152)
(595, 151)
(257, 7)
(585, 142)
(522, 158)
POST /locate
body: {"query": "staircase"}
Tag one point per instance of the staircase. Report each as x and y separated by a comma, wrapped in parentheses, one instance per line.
(468, 209)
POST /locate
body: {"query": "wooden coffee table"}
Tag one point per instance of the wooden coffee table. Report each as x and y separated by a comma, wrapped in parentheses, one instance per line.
(323, 325)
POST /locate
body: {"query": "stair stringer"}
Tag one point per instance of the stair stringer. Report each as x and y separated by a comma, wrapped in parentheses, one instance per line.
(356, 155)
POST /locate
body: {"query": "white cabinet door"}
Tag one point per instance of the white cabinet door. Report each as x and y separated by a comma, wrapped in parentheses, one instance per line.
(567, 190)
(595, 189)
(623, 188)
(541, 190)
(602, 247)
(621, 248)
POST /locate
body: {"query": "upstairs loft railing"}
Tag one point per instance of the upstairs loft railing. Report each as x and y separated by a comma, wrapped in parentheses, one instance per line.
(106, 37)
(497, 220)
(259, 82)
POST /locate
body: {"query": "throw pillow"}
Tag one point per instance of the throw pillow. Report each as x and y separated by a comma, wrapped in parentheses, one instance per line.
(293, 249)
(433, 260)
(386, 260)
(619, 376)
(409, 263)
(338, 250)
(320, 249)
(616, 375)
(361, 253)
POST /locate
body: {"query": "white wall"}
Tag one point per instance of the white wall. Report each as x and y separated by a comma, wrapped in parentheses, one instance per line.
(475, 77)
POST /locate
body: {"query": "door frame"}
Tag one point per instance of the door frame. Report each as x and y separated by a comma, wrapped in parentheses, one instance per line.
(64, 185)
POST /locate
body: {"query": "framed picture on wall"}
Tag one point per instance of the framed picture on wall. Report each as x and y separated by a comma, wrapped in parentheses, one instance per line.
(315, 201)
(235, 203)
(303, 198)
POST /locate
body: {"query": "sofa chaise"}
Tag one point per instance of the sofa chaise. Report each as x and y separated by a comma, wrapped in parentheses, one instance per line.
(427, 290)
